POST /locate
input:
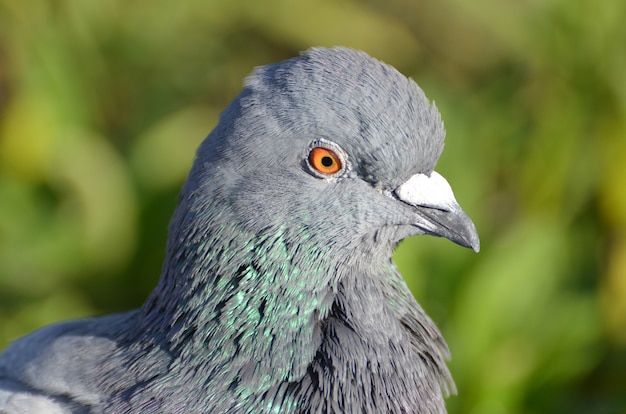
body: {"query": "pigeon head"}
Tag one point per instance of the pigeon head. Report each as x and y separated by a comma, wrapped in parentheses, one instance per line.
(334, 146)
(284, 234)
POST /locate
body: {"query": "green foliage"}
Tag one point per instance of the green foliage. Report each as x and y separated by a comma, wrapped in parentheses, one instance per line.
(102, 103)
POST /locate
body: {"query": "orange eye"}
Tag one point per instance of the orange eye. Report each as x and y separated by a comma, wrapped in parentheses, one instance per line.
(324, 160)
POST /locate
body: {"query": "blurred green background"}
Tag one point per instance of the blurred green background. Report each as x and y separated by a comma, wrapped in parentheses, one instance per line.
(103, 102)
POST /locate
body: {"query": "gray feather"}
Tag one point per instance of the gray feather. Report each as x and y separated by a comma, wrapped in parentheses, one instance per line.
(278, 293)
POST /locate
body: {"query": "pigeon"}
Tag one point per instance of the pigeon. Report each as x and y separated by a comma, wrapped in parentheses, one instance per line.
(278, 292)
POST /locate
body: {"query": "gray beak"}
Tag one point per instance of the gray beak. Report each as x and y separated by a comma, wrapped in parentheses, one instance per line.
(437, 211)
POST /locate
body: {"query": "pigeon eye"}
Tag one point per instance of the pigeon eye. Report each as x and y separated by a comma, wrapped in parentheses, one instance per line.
(324, 160)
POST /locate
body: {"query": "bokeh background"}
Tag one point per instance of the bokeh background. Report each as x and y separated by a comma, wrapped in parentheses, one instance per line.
(103, 102)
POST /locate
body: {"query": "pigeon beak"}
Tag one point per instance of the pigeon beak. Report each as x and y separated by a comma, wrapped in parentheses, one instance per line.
(438, 212)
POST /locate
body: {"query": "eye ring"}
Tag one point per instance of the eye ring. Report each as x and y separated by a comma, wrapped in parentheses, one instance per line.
(326, 159)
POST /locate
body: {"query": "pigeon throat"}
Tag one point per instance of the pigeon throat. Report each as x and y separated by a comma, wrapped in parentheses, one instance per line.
(369, 353)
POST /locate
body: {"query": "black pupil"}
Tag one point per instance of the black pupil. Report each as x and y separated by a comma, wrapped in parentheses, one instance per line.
(327, 161)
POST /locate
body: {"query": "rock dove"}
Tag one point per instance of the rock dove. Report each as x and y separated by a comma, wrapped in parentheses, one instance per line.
(278, 292)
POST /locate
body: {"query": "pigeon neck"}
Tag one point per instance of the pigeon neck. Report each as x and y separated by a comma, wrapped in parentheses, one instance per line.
(250, 311)
(240, 301)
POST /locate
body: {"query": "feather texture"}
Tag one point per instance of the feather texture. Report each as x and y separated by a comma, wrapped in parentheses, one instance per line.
(278, 293)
